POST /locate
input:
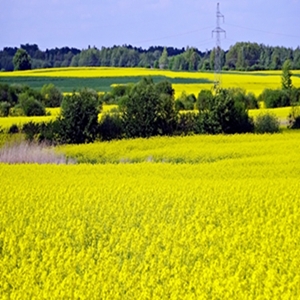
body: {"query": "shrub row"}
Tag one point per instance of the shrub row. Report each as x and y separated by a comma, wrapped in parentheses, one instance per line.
(147, 109)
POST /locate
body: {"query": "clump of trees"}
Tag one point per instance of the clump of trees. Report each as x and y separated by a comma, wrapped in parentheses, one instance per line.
(145, 109)
(148, 109)
(22, 60)
(288, 95)
(16, 100)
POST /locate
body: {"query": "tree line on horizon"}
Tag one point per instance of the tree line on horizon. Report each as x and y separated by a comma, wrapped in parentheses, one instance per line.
(243, 56)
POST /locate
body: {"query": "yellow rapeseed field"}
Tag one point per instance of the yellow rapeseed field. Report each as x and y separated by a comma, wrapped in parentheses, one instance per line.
(222, 223)
(7, 122)
(254, 82)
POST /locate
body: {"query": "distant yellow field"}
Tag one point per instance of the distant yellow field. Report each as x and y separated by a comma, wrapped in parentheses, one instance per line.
(254, 82)
(6, 122)
(281, 113)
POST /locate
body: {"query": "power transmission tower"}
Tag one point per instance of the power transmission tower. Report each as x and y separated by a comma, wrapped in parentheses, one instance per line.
(218, 50)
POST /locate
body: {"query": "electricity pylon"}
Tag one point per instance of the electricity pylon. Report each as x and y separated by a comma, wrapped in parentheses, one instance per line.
(218, 50)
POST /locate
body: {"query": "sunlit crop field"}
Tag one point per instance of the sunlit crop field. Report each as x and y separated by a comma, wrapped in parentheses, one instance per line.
(7, 122)
(190, 82)
(221, 223)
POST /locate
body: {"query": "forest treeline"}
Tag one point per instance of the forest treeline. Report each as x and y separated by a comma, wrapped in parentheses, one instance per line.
(242, 56)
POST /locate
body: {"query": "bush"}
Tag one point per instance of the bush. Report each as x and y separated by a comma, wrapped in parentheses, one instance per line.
(79, 117)
(295, 96)
(205, 97)
(275, 98)
(31, 106)
(4, 109)
(294, 118)
(185, 102)
(296, 123)
(31, 130)
(8, 94)
(52, 97)
(110, 127)
(179, 105)
(225, 114)
(16, 111)
(266, 123)
(187, 124)
(13, 129)
(249, 101)
(49, 132)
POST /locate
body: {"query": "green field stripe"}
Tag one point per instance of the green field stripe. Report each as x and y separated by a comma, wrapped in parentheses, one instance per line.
(68, 84)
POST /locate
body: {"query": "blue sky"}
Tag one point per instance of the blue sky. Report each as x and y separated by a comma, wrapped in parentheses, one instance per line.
(143, 23)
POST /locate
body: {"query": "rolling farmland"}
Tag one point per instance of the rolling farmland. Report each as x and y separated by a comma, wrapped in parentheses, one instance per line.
(101, 79)
(206, 217)
(195, 217)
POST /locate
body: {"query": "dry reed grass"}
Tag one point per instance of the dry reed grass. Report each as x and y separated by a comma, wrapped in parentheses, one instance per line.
(26, 152)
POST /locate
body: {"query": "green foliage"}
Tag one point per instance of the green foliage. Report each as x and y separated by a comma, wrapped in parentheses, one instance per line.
(31, 130)
(296, 123)
(30, 105)
(13, 129)
(248, 100)
(294, 118)
(52, 97)
(286, 80)
(4, 109)
(117, 92)
(187, 124)
(266, 123)
(225, 114)
(251, 101)
(275, 98)
(79, 117)
(185, 102)
(50, 132)
(22, 60)
(295, 96)
(241, 56)
(205, 97)
(148, 109)
(111, 127)
(8, 93)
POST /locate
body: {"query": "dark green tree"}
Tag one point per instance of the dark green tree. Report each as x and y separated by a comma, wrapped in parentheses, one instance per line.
(286, 78)
(205, 97)
(224, 114)
(22, 60)
(52, 96)
(275, 98)
(30, 105)
(148, 109)
(79, 118)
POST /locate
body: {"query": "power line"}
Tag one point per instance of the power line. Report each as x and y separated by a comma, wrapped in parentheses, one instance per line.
(175, 35)
(264, 31)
